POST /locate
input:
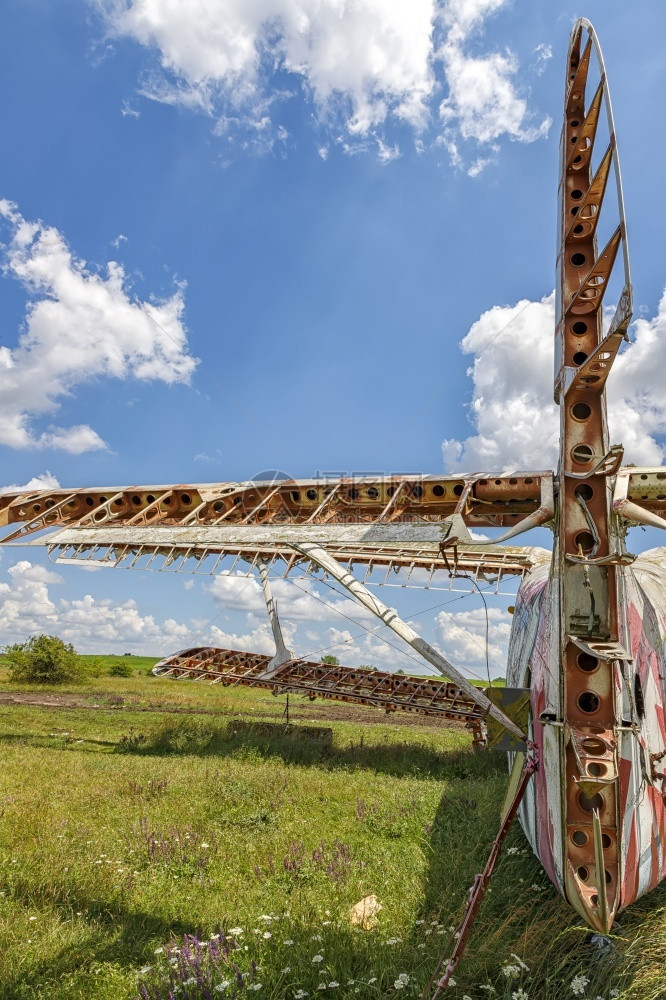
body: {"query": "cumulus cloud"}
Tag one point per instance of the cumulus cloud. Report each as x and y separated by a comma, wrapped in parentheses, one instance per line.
(45, 481)
(462, 635)
(27, 608)
(364, 64)
(512, 410)
(483, 102)
(301, 603)
(79, 325)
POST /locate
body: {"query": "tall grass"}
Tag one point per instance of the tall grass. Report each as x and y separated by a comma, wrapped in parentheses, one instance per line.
(154, 832)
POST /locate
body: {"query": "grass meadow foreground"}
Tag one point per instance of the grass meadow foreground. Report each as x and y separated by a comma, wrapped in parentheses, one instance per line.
(163, 839)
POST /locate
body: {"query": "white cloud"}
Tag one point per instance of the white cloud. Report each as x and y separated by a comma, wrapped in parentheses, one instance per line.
(366, 64)
(79, 326)
(462, 636)
(89, 623)
(298, 603)
(482, 101)
(512, 409)
(45, 481)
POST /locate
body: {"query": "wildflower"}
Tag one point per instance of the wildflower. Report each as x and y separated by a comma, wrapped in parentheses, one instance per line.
(316, 937)
(401, 982)
(145, 969)
(204, 846)
(190, 982)
(255, 987)
(288, 941)
(373, 980)
(266, 916)
(519, 995)
(466, 996)
(286, 970)
(520, 962)
(578, 984)
(300, 994)
(32, 918)
(488, 988)
(614, 994)
(158, 951)
(317, 958)
(511, 971)
(222, 986)
(333, 984)
(452, 982)
(394, 940)
(235, 931)
(512, 850)
(537, 888)
(266, 935)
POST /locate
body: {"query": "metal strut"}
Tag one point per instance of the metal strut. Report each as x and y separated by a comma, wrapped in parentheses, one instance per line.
(282, 654)
(464, 929)
(390, 618)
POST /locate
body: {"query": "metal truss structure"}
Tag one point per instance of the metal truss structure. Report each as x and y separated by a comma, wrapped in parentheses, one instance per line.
(360, 686)
(586, 646)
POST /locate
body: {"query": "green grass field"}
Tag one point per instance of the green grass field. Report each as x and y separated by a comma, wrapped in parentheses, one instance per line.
(136, 811)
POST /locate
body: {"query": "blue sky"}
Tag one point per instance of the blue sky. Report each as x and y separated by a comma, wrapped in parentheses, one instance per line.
(308, 208)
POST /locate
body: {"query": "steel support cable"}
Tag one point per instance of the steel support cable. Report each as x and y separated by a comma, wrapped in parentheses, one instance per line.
(368, 630)
(416, 614)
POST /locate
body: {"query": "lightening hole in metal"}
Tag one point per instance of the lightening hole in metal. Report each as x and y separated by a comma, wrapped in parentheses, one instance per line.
(584, 491)
(579, 838)
(438, 490)
(588, 664)
(584, 540)
(605, 841)
(578, 259)
(417, 492)
(579, 357)
(311, 494)
(594, 747)
(574, 210)
(577, 159)
(583, 873)
(353, 494)
(185, 498)
(594, 899)
(576, 193)
(136, 500)
(373, 492)
(89, 501)
(458, 489)
(596, 770)
(582, 454)
(589, 702)
(581, 411)
(574, 123)
(578, 229)
(589, 803)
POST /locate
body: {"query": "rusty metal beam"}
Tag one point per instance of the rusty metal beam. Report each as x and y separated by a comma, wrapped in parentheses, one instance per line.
(428, 696)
